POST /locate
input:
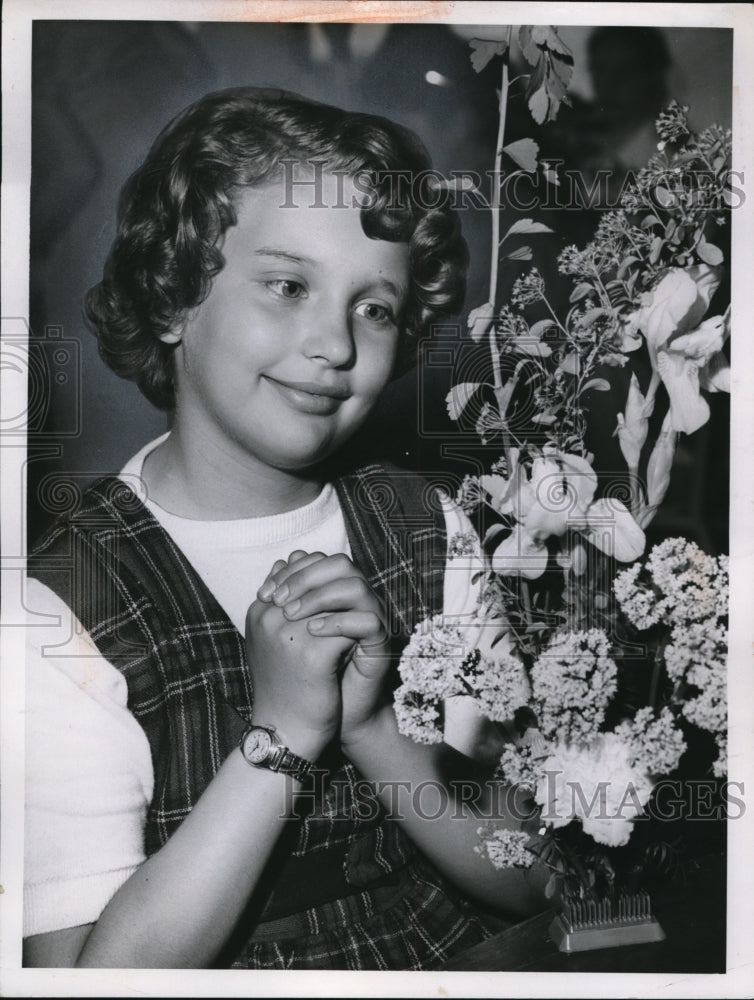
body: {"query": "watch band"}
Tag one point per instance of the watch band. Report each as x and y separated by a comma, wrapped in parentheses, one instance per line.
(278, 757)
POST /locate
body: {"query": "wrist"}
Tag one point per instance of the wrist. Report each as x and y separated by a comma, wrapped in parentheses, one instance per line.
(303, 743)
(358, 741)
(262, 747)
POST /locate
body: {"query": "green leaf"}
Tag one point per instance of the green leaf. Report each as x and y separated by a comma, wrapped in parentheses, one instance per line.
(539, 105)
(614, 360)
(656, 249)
(547, 88)
(526, 226)
(459, 398)
(591, 316)
(544, 418)
(625, 266)
(561, 70)
(483, 50)
(492, 533)
(570, 364)
(650, 220)
(598, 384)
(523, 152)
(664, 197)
(522, 253)
(456, 184)
(498, 637)
(547, 35)
(540, 327)
(580, 291)
(528, 47)
(550, 176)
(709, 253)
(531, 346)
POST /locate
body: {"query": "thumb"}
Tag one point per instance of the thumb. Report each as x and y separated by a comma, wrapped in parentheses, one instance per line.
(371, 660)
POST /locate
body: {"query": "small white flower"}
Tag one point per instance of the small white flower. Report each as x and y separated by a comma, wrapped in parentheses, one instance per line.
(696, 644)
(573, 680)
(639, 604)
(655, 743)
(505, 848)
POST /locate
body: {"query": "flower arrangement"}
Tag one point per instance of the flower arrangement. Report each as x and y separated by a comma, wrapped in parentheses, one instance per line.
(583, 733)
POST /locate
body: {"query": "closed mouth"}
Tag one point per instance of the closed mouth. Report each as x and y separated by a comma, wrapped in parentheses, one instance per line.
(314, 388)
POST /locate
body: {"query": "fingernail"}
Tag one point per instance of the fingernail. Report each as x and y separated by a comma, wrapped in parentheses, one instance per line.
(317, 625)
(280, 596)
(266, 591)
(292, 608)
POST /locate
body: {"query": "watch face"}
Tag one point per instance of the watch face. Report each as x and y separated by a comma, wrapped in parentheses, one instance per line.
(257, 745)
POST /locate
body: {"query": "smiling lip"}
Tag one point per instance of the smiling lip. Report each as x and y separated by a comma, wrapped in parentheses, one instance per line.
(310, 397)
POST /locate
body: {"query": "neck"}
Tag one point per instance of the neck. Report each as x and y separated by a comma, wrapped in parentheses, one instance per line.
(212, 480)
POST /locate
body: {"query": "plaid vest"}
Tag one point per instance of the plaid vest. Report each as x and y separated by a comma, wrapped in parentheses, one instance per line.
(189, 685)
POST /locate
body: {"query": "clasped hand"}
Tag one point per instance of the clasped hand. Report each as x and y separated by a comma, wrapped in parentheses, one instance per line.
(316, 640)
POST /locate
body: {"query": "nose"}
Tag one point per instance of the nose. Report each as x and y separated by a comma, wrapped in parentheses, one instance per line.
(328, 337)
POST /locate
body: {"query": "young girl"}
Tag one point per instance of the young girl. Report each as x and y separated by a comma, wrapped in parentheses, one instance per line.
(268, 277)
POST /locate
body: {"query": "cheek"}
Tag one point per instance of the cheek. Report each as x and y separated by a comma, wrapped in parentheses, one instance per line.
(378, 361)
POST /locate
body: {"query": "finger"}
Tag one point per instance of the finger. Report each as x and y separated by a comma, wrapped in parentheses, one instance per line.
(267, 589)
(344, 594)
(258, 611)
(365, 627)
(290, 568)
(312, 573)
(298, 555)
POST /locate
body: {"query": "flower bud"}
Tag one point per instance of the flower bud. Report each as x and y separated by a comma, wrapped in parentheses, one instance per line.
(633, 425)
(661, 463)
(578, 558)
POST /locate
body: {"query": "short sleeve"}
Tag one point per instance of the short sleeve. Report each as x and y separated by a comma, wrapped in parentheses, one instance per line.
(465, 727)
(464, 563)
(88, 773)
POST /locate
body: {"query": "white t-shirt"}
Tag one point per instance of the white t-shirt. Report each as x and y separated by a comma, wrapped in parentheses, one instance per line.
(89, 774)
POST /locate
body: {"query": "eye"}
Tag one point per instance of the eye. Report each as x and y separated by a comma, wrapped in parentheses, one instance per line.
(374, 312)
(286, 288)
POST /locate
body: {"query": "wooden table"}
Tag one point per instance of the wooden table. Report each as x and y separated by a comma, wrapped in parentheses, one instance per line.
(692, 914)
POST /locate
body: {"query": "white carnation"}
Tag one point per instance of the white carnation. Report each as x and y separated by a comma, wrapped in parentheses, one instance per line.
(595, 784)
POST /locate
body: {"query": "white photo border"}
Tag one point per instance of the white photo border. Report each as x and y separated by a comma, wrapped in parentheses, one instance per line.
(18, 16)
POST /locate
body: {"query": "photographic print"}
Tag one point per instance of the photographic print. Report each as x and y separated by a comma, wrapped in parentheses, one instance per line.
(376, 533)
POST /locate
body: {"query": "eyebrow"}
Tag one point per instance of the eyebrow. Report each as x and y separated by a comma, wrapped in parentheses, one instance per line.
(389, 286)
(284, 255)
(397, 290)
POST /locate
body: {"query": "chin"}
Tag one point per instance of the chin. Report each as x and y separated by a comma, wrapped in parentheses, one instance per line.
(302, 461)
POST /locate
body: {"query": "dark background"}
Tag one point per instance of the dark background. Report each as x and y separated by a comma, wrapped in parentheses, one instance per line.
(103, 90)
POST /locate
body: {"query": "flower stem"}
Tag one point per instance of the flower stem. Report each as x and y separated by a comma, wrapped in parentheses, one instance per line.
(495, 207)
(649, 399)
(637, 497)
(554, 315)
(654, 684)
(494, 263)
(526, 595)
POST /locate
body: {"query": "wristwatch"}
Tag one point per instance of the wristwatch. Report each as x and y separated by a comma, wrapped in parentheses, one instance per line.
(261, 747)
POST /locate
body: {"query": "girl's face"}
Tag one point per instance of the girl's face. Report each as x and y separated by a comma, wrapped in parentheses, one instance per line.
(288, 353)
